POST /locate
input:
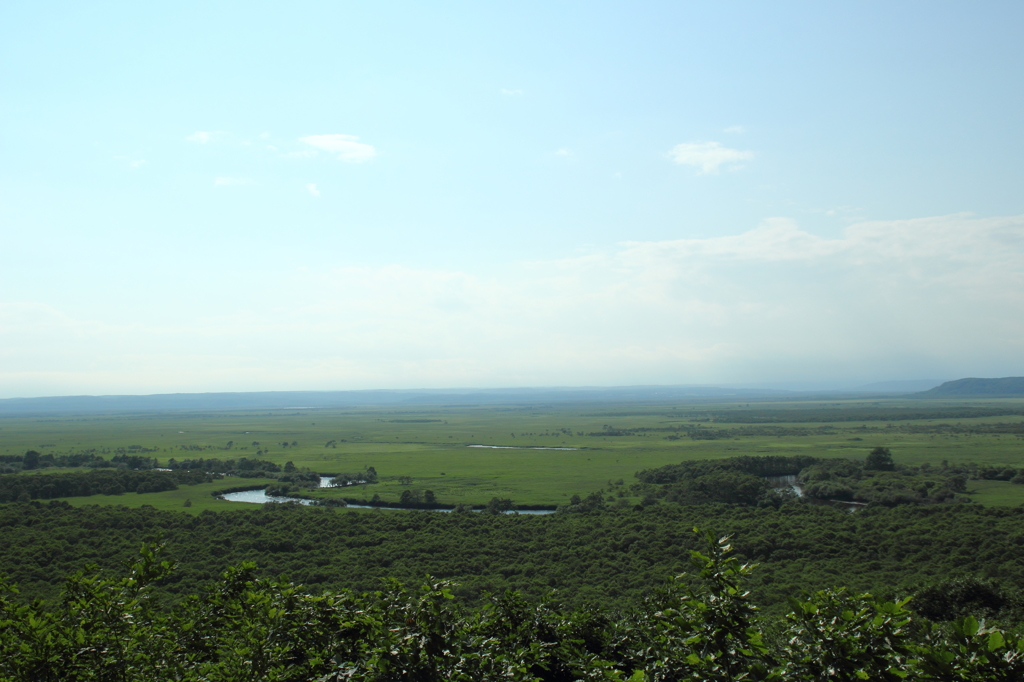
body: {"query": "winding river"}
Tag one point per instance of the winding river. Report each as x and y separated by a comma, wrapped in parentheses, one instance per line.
(261, 497)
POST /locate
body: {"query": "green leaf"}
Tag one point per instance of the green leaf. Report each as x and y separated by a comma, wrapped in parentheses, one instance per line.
(969, 626)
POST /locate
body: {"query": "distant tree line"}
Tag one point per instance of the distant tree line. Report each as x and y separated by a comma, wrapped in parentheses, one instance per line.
(242, 465)
(32, 460)
(47, 486)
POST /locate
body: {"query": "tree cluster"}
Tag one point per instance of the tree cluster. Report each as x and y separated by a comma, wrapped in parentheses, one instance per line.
(47, 486)
(878, 480)
(243, 466)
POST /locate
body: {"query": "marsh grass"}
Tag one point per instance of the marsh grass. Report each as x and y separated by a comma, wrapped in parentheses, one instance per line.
(430, 445)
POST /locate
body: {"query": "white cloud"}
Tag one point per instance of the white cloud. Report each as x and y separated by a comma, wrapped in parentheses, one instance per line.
(512, 93)
(707, 155)
(927, 297)
(563, 152)
(224, 181)
(735, 129)
(347, 147)
(202, 137)
(312, 189)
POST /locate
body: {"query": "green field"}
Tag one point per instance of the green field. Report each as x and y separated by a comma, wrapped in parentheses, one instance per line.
(996, 493)
(200, 496)
(432, 445)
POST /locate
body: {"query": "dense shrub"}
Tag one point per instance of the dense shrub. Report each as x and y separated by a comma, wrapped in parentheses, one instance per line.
(246, 627)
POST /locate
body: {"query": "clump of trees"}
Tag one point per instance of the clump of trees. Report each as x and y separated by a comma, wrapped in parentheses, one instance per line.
(876, 480)
(698, 627)
(33, 460)
(367, 475)
(243, 466)
(879, 480)
(47, 486)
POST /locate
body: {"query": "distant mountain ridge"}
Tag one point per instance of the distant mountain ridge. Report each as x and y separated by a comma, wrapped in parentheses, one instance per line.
(1007, 386)
(293, 400)
(904, 386)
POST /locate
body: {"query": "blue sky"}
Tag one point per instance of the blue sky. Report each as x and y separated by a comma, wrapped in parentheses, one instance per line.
(268, 196)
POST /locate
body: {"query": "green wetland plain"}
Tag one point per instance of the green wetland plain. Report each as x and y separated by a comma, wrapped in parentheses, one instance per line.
(901, 498)
(584, 447)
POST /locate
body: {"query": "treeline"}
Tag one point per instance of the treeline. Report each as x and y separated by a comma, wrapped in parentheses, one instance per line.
(257, 467)
(605, 559)
(877, 480)
(770, 465)
(810, 415)
(32, 460)
(701, 432)
(140, 474)
(295, 482)
(244, 627)
(367, 475)
(427, 500)
(736, 480)
(47, 486)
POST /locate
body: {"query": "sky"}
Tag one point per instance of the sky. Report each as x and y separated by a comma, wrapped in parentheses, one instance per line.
(217, 196)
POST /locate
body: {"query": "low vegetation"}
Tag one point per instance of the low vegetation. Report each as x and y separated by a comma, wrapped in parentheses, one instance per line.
(247, 628)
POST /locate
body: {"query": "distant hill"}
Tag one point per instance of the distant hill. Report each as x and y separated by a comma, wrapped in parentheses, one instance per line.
(293, 400)
(1007, 386)
(908, 386)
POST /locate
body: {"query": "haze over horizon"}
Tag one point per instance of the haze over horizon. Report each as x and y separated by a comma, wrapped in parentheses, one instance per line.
(208, 197)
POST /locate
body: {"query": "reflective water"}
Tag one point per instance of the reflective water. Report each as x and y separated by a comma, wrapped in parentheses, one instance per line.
(515, 447)
(785, 482)
(261, 497)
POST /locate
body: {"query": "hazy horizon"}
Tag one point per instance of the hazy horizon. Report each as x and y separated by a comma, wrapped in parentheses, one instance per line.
(639, 392)
(211, 197)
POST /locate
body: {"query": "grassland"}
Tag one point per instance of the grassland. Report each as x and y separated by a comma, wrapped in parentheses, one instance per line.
(200, 496)
(611, 442)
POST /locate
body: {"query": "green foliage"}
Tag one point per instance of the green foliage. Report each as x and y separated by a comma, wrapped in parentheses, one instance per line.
(832, 636)
(879, 459)
(240, 466)
(742, 480)
(967, 651)
(499, 505)
(607, 559)
(961, 596)
(772, 465)
(48, 486)
(701, 634)
(249, 628)
(102, 629)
